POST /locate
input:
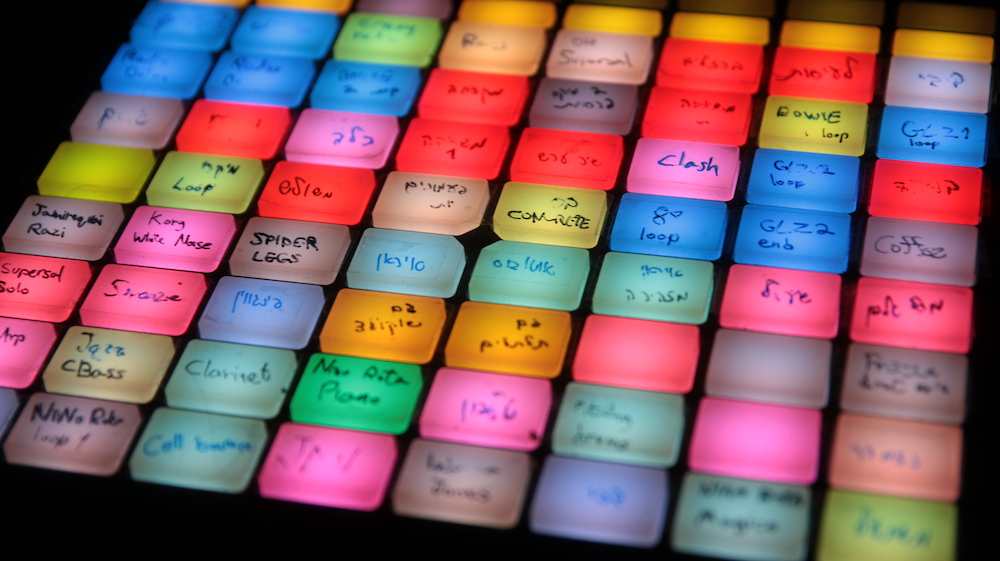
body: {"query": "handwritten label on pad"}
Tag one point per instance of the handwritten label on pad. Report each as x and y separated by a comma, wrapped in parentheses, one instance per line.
(533, 275)
(290, 250)
(41, 288)
(654, 287)
(436, 204)
(58, 227)
(143, 299)
(168, 238)
(407, 263)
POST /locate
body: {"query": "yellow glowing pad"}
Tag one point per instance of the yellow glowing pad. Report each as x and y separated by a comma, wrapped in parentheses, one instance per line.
(814, 125)
(947, 17)
(610, 19)
(509, 339)
(830, 36)
(722, 28)
(861, 12)
(760, 8)
(335, 6)
(383, 326)
(97, 172)
(941, 44)
(509, 12)
(550, 215)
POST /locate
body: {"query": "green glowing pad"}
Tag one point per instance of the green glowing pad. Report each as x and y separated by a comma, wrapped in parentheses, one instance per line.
(205, 182)
(653, 287)
(388, 39)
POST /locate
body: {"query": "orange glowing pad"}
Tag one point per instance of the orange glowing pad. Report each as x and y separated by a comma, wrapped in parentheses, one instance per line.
(317, 193)
(702, 116)
(569, 158)
(234, 129)
(41, 288)
(453, 148)
(930, 192)
(709, 65)
(932, 317)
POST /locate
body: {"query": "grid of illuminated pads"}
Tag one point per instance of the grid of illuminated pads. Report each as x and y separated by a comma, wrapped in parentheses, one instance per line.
(271, 90)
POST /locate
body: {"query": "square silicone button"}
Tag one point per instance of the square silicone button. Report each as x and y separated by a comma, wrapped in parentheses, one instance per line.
(863, 526)
(305, 33)
(571, 159)
(774, 519)
(383, 326)
(669, 226)
(682, 168)
(388, 39)
(78, 170)
(72, 434)
(492, 47)
(486, 409)
(654, 287)
(109, 364)
(170, 238)
(933, 136)
(935, 83)
(593, 56)
(636, 353)
(41, 288)
(143, 299)
(509, 339)
(619, 425)
(328, 467)
(769, 368)
(366, 87)
(823, 74)
(915, 315)
(453, 148)
(205, 182)
(436, 204)
(577, 105)
(200, 451)
(547, 214)
(781, 301)
(930, 192)
(532, 275)
(179, 25)
(231, 379)
(920, 251)
(407, 263)
(260, 79)
(756, 441)
(434, 474)
(261, 312)
(710, 65)
(234, 128)
(701, 116)
(317, 193)
(804, 180)
(58, 227)
(795, 239)
(896, 457)
(477, 97)
(290, 250)
(357, 393)
(156, 71)
(336, 138)
(600, 502)
(814, 125)
(127, 120)
(905, 383)
(24, 347)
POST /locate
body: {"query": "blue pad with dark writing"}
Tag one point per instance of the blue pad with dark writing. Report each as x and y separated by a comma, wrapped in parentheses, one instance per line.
(364, 87)
(669, 226)
(294, 33)
(804, 180)
(793, 239)
(267, 80)
(932, 136)
(156, 72)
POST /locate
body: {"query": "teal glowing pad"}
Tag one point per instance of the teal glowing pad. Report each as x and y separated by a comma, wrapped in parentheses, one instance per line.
(654, 287)
(533, 275)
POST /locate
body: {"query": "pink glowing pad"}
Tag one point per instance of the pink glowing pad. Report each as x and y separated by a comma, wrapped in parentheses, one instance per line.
(487, 409)
(637, 353)
(896, 457)
(24, 346)
(41, 288)
(931, 317)
(328, 467)
(682, 168)
(142, 299)
(756, 441)
(781, 301)
(170, 238)
(337, 138)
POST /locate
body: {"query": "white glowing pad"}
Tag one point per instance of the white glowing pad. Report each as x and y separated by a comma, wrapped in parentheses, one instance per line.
(58, 227)
(436, 204)
(290, 250)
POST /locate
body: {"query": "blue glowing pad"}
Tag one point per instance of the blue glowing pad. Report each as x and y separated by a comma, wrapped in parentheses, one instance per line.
(365, 87)
(156, 72)
(932, 136)
(669, 226)
(178, 25)
(793, 239)
(261, 312)
(407, 263)
(532, 275)
(296, 33)
(804, 180)
(267, 80)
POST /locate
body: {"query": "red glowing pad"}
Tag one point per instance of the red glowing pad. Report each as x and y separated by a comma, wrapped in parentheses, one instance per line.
(41, 288)
(142, 299)
(837, 75)
(781, 301)
(637, 353)
(453, 148)
(756, 441)
(234, 129)
(567, 158)
(702, 116)
(929, 192)
(915, 315)
(317, 193)
(710, 65)
(493, 99)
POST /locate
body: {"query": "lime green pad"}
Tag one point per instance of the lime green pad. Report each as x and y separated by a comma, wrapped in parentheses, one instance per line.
(388, 39)
(357, 393)
(205, 182)
(96, 172)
